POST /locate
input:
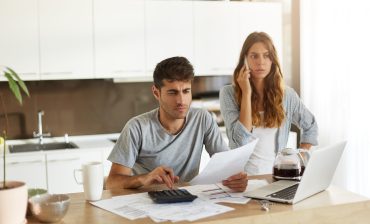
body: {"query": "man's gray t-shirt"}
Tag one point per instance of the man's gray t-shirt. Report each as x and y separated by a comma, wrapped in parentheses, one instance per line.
(144, 144)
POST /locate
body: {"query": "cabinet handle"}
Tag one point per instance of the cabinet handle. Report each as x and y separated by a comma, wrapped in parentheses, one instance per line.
(220, 69)
(25, 162)
(28, 73)
(62, 160)
(126, 71)
(56, 73)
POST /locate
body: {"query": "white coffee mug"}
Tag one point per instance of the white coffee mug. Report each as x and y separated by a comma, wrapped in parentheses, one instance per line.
(92, 180)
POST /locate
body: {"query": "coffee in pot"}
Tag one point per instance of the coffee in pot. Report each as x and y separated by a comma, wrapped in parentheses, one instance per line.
(288, 165)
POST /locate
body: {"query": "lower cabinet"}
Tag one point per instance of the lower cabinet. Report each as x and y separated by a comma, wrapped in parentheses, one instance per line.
(61, 167)
(30, 169)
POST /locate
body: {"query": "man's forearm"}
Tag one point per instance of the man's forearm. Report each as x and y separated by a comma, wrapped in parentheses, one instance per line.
(123, 181)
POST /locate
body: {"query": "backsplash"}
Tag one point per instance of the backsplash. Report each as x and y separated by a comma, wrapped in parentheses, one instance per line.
(82, 107)
(76, 107)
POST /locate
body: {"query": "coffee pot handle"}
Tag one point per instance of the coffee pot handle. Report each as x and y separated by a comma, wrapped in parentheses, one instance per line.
(304, 155)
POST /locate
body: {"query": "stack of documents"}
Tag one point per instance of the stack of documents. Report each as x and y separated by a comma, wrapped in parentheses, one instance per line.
(140, 205)
(217, 193)
(136, 206)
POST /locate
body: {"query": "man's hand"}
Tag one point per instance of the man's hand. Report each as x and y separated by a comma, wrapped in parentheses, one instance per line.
(121, 177)
(160, 175)
(237, 182)
(306, 146)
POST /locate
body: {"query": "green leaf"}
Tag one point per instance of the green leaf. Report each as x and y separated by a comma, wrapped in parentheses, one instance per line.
(20, 81)
(14, 87)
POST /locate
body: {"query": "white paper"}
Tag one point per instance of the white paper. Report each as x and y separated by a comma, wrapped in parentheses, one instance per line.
(217, 193)
(140, 205)
(189, 211)
(125, 205)
(255, 184)
(136, 206)
(225, 164)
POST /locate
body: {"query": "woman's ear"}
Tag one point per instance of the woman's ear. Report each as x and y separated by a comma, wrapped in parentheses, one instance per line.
(156, 92)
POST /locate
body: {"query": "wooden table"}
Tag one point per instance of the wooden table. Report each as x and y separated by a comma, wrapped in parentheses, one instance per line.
(334, 205)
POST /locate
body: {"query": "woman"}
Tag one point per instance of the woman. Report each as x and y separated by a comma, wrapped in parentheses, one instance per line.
(258, 105)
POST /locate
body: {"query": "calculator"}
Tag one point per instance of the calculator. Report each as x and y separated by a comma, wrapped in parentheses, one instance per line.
(171, 196)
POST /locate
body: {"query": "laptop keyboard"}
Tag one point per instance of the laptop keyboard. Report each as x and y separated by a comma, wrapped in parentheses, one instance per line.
(287, 193)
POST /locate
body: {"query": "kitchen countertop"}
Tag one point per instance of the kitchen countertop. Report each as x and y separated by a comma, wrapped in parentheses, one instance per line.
(82, 141)
(334, 205)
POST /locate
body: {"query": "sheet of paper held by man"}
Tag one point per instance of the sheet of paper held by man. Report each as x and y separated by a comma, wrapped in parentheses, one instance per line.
(225, 164)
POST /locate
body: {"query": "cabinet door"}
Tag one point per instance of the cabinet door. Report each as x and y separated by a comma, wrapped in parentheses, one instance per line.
(19, 37)
(216, 48)
(119, 38)
(169, 31)
(61, 166)
(66, 39)
(30, 169)
(259, 16)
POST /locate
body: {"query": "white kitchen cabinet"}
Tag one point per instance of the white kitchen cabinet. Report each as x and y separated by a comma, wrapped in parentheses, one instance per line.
(30, 169)
(168, 31)
(61, 166)
(220, 29)
(66, 39)
(119, 38)
(261, 16)
(216, 30)
(19, 37)
(125, 39)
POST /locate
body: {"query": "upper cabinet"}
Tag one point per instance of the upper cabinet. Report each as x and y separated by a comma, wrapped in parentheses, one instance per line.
(66, 39)
(261, 16)
(119, 38)
(220, 29)
(168, 31)
(125, 39)
(19, 37)
(216, 30)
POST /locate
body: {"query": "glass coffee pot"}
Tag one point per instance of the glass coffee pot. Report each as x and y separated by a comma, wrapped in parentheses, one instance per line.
(289, 164)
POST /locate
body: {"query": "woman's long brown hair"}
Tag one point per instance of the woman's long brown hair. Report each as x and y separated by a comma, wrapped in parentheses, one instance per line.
(274, 86)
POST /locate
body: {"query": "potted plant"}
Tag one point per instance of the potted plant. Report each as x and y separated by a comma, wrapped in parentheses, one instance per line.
(13, 194)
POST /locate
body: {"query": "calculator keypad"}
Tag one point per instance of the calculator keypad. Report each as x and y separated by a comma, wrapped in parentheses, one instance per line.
(171, 196)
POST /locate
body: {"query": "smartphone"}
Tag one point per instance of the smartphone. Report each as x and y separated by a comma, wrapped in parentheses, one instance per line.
(246, 63)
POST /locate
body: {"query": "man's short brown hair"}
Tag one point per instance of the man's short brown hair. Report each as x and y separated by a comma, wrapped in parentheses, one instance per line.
(173, 69)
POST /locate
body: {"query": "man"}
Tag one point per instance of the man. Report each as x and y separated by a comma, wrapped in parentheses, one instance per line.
(165, 144)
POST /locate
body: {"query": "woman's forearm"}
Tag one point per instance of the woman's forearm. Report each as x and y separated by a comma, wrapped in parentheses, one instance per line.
(245, 116)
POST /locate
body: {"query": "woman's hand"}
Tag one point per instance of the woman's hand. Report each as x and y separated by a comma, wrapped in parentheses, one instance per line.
(243, 79)
(245, 116)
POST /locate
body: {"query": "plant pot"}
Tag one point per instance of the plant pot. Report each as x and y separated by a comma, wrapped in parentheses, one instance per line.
(13, 202)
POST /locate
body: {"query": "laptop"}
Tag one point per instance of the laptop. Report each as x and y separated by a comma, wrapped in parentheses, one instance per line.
(317, 177)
